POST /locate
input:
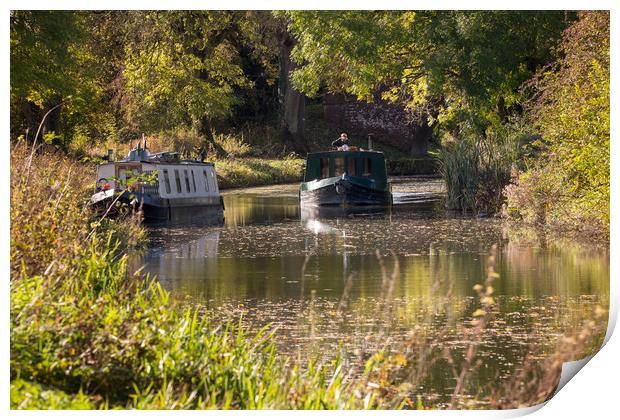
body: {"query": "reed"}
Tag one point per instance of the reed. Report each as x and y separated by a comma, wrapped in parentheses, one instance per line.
(476, 170)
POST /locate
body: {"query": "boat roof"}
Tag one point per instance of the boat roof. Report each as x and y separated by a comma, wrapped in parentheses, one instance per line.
(143, 155)
(160, 162)
(335, 153)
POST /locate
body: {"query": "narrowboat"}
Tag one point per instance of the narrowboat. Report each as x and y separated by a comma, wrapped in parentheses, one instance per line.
(343, 178)
(162, 185)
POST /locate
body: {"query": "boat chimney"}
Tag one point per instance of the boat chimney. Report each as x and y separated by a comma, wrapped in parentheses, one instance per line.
(110, 155)
(370, 141)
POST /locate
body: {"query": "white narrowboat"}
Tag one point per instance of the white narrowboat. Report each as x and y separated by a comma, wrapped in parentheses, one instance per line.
(162, 185)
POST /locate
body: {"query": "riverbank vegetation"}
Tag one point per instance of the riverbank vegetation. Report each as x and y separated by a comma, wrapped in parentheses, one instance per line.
(566, 177)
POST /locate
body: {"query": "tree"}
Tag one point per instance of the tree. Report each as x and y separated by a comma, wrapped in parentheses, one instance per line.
(59, 61)
(568, 181)
(469, 60)
(181, 68)
(44, 67)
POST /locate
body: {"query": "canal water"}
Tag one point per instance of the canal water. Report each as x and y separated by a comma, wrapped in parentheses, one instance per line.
(352, 281)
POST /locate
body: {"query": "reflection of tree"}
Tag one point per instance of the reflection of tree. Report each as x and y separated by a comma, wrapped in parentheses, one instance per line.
(244, 209)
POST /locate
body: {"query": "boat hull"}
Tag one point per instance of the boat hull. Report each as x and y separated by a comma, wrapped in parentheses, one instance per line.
(209, 210)
(208, 213)
(344, 192)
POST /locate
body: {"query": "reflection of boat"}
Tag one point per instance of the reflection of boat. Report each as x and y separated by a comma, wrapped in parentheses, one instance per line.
(189, 245)
(345, 178)
(165, 187)
(334, 212)
(180, 255)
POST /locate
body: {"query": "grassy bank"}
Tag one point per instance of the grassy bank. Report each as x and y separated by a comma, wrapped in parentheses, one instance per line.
(250, 172)
(88, 333)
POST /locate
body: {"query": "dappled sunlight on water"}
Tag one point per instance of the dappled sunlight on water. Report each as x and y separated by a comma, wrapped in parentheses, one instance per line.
(316, 276)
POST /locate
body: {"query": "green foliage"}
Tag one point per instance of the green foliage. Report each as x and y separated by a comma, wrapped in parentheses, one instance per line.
(568, 182)
(42, 59)
(128, 72)
(33, 396)
(53, 63)
(469, 58)
(461, 69)
(247, 172)
(181, 67)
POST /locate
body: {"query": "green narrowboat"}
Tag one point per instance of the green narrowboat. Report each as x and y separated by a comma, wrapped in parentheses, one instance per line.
(337, 178)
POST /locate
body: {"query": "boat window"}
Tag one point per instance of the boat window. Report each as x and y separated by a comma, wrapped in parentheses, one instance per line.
(351, 166)
(213, 183)
(367, 167)
(338, 166)
(324, 168)
(186, 181)
(193, 180)
(178, 179)
(204, 172)
(167, 181)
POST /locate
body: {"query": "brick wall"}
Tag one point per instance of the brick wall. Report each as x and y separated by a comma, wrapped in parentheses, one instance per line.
(388, 122)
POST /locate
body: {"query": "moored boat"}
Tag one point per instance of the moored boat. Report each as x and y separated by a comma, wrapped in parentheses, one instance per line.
(351, 177)
(162, 185)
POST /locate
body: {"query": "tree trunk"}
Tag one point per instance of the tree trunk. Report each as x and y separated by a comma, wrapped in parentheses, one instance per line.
(293, 102)
(422, 135)
(209, 145)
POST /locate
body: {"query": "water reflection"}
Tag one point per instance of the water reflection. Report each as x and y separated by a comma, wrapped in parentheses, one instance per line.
(323, 277)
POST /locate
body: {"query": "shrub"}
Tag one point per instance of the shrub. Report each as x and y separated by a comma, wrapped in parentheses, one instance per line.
(571, 108)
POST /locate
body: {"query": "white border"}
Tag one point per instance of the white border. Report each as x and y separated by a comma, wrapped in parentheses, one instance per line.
(593, 395)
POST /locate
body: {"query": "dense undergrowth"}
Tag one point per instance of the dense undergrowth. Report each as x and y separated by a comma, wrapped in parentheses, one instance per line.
(88, 333)
(567, 184)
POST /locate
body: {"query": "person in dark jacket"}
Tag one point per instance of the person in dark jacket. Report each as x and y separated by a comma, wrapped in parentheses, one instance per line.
(343, 140)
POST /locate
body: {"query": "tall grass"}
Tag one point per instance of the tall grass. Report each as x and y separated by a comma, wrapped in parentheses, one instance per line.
(88, 333)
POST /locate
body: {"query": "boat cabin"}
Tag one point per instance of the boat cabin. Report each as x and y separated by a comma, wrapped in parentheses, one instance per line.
(174, 180)
(363, 164)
